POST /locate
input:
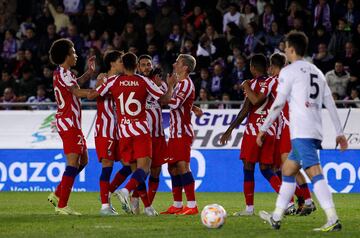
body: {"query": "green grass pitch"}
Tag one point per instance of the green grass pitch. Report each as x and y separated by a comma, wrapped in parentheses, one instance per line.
(30, 215)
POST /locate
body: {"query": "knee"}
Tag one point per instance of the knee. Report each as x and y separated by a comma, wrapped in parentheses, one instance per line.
(249, 166)
(155, 172)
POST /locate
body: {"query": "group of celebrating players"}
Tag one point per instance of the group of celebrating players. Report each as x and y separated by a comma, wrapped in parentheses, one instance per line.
(129, 129)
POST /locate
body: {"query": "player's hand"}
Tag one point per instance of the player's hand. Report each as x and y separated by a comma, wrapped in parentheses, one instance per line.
(225, 137)
(260, 138)
(157, 80)
(342, 141)
(92, 94)
(171, 80)
(198, 111)
(101, 76)
(91, 63)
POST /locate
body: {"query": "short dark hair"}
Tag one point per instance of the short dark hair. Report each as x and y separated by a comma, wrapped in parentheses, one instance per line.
(259, 62)
(129, 61)
(144, 57)
(278, 60)
(299, 41)
(59, 50)
(109, 57)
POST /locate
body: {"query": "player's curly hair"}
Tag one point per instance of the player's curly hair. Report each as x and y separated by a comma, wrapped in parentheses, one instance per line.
(59, 50)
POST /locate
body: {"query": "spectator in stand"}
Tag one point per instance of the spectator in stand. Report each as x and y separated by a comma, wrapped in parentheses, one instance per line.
(93, 40)
(319, 36)
(322, 15)
(165, 20)
(33, 62)
(45, 42)
(18, 64)
(233, 15)
(129, 36)
(240, 72)
(153, 51)
(352, 15)
(351, 59)
(337, 79)
(267, 18)
(218, 82)
(27, 84)
(61, 20)
(203, 97)
(152, 36)
(196, 17)
(8, 96)
(47, 80)
(233, 34)
(354, 82)
(254, 40)
(141, 17)
(273, 38)
(294, 11)
(113, 21)
(188, 47)
(205, 51)
(169, 56)
(31, 42)
(10, 46)
(323, 59)
(190, 32)
(339, 38)
(8, 82)
(354, 95)
(202, 81)
(237, 94)
(73, 8)
(38, 98)
(43, 20)
(248, 16)
(91, 20)
(26, 24)
(225, 98)
(176, 35)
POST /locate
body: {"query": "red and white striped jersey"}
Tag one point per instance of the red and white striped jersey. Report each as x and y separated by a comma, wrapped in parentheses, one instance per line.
(154, 114)
(258, 113)
(69, 110)
(130, 94)
(180, 109)
(283, 119)
(106, 123)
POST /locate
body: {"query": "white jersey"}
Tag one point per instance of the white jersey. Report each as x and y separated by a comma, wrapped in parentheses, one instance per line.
(305, 87)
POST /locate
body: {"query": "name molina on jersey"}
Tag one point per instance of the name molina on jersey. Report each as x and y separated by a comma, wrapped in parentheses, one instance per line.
(127, 83)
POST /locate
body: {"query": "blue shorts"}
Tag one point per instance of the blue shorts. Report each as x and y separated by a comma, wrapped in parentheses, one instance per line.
(304, 152)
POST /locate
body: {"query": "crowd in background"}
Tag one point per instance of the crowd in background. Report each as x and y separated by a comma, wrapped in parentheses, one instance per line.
(221, 34)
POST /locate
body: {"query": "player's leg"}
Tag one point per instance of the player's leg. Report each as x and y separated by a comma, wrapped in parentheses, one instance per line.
(176, 190)
(287, 189)
(120, 177)
(308, 205)
(153, 182)
(324, 196)
(188, 183)
(107, 167)
(249, 187)
(67, 183)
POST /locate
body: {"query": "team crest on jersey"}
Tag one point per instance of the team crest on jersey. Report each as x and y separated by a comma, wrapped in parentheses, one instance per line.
(109, 153)
(181, 94)
(263, 84)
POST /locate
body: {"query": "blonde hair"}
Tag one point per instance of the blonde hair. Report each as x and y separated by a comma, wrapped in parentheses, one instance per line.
(189, 61)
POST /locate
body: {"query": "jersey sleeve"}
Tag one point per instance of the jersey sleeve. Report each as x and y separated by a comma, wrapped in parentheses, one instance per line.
(285, 83)
(105, 87)
(154, 91)
(181, 95)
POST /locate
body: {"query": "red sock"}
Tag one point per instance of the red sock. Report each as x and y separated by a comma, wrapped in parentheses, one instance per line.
(104, 191)
(305, 191)
(275, 183)
(152, 188)
(143, 194)
(190, 191)
(67, 183)
(58, 190)
(132, 184)
(249, 187)
(177, 194)
(298, 192)
(116, 182)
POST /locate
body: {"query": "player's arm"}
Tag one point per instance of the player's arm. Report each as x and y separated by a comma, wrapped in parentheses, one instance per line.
(171, 81)
(274, 113)
(197, 111)
(254, 98)
(91, 68)
(331, 107)
(79, 92)
(240, 117)
(101, 90)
